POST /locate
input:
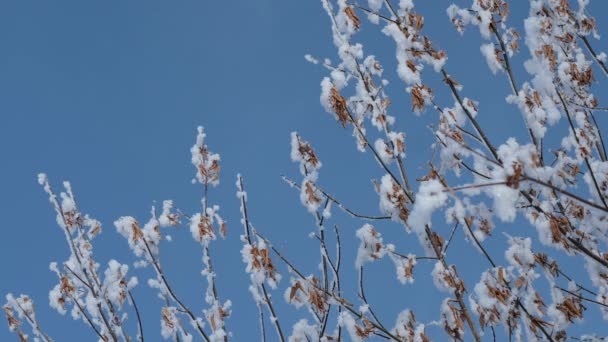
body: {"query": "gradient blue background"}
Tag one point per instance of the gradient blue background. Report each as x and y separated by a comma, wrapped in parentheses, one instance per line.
(108, 94)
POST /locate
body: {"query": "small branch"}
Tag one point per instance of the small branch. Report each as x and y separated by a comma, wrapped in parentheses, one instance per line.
(86, 316)
(343, 302)
(601, 109)
(564, 192)
(262, 326)
(592, 52)
(481, 133)
(459, 298)
(248, 230)
(601, 148)
(139, 322)
(364, 298)
(383, 17)
(519, 303)
(597, 187)
(445, 249)
(392, 9)
(352, 213)
(33, 323)
(583, 298)
(171, 293)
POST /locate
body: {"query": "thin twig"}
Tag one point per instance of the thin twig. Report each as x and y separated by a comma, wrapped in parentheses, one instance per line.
(139, 322)
(591, 172)
(459, 298)
(33, 323)
(171, 293)
(336, 201)
(248, 231)
(592, 51)
(583, 298)
(343, 303)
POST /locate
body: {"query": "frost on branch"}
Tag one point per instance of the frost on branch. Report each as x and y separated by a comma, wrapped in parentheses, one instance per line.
(403, 265)
(408, 329)
(356, 332)
(95, 299)
(447, 279)
(412, 48)
(392, 148)
(168, 218)
(371, 247)
(538, 110)
(19, 310)
(302, 153)
(303, 331)
(259, 264)
(171, 327)
(116, 284)
(452, 319)
(393, 201)
(493, 57)
(430, 197)
(202, 226)
(139, 239)
(307, 292)
(493, 301)
(206, 163)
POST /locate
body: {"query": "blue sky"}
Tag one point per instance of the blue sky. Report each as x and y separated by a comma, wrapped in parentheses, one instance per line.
(108, 95)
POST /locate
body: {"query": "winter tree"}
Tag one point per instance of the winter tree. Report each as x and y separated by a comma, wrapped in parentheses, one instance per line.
(496, 235)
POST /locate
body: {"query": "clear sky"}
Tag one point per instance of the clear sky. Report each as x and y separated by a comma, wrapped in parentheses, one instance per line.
(108, 94)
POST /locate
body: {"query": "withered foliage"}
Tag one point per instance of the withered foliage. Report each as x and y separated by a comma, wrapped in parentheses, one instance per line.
(419, 93)
(514, 179)
(13, 323)
(572, 308)
(338, 103)
(350, 13)
(261, 260)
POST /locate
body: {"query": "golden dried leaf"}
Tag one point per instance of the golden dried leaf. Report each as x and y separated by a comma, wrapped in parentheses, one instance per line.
(408, 270)
(22, 336)
(223, 229)
(311, 193)
(350, 13)
(338, 103)
(571, 308)
(308, 153)
(12, 321)
(588, 24)
(212, 322)
(549, 54)
(294, 290)
(437, 241)
(137, 233)
(167, 318)
(411, 65)
(417, 99)
(501, 275)
(94, 231)
(66, 286)
(514, 179)
(450, 81)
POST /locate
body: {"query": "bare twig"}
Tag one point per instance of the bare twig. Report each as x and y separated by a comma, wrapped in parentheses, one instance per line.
(139, 322)
(336, 201)
(248, 230)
